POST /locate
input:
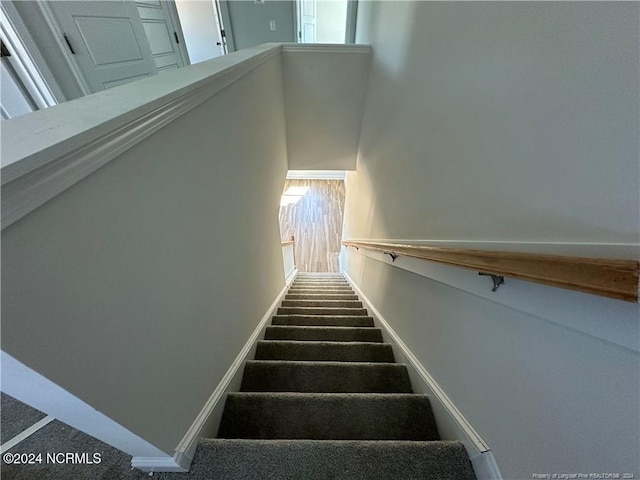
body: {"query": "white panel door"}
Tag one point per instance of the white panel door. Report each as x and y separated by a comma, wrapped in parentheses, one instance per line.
(161, 33)
(107, 40)
(307, 9)
(14, 98)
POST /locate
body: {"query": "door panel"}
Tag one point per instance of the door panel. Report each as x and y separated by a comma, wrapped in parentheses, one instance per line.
(122, 81)
(108, 41)
(161, 34)
(308, 20)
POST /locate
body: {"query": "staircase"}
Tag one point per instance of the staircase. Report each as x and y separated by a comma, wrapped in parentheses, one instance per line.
(324, 399)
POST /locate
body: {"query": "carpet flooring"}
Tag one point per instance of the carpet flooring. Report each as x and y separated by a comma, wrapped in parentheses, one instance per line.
(323, 399)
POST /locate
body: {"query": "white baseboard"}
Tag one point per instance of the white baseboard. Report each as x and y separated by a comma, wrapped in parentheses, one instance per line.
(207, 421)
(37, 391)
(452, 424)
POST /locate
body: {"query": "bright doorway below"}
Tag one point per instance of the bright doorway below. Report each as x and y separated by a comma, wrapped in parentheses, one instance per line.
(312, 212)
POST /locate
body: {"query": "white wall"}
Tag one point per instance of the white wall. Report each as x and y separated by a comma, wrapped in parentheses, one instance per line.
(547, 398)
(129, 289)
(324, 97)
(249, 22)
(331, 21)
(501, 121)
(516, 122)
(288, 259)
(200, 29)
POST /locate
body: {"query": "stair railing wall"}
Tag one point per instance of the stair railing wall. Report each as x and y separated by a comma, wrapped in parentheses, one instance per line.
(612, 278)
(134, 223)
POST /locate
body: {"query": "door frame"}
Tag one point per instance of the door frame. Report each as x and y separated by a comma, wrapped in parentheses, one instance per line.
(52, 22)
(297, 22)
(27, 61)
(174, 21)
(225, 25)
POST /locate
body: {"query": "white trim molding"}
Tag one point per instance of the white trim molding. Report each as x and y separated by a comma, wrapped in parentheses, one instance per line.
(316, 175)
(207, 421)
(27, 59)
(37, 391)
(456, 425)
(325, 48)
(35, 172)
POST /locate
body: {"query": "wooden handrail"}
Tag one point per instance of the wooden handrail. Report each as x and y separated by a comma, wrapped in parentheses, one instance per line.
(598, 276)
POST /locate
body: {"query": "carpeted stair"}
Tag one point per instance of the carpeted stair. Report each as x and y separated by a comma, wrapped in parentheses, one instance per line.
(324, 399)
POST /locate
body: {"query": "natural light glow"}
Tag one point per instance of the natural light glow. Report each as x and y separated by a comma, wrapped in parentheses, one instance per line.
(293, 196)
(287, 200)
(299, 191)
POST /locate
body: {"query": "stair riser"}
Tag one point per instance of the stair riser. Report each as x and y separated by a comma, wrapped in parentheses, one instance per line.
(321, 278)
(321, 311)
(323, 320)
(324, 377)
(322, 303)
(328, 417)
(324, 351)
(321, 291)
(326, 334)
(320, 296)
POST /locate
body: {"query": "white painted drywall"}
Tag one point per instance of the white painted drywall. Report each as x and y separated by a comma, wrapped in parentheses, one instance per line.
(288, 259)
(324, 97)
(129, 289)
(546, 398)
(201, 32)
(30, 387)
(331, 21)
(507, 121)
(249, 22)
(500, 121)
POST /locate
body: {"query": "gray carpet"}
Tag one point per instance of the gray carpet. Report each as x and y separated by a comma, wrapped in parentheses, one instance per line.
(326, 296)
(328, 460)
(324, 351)
(324, 377)
(296, 416)
(324, 320)
(16, 417)
(321, 311)
(58, 437)
(326, 334)
(324, 399)
(328, 416)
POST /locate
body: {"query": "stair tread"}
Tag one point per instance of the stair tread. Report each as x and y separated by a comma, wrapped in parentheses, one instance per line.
(321, 296)
(322, 311)
(324, 377)
(330, 459)
(322, 303)
(320, 327)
